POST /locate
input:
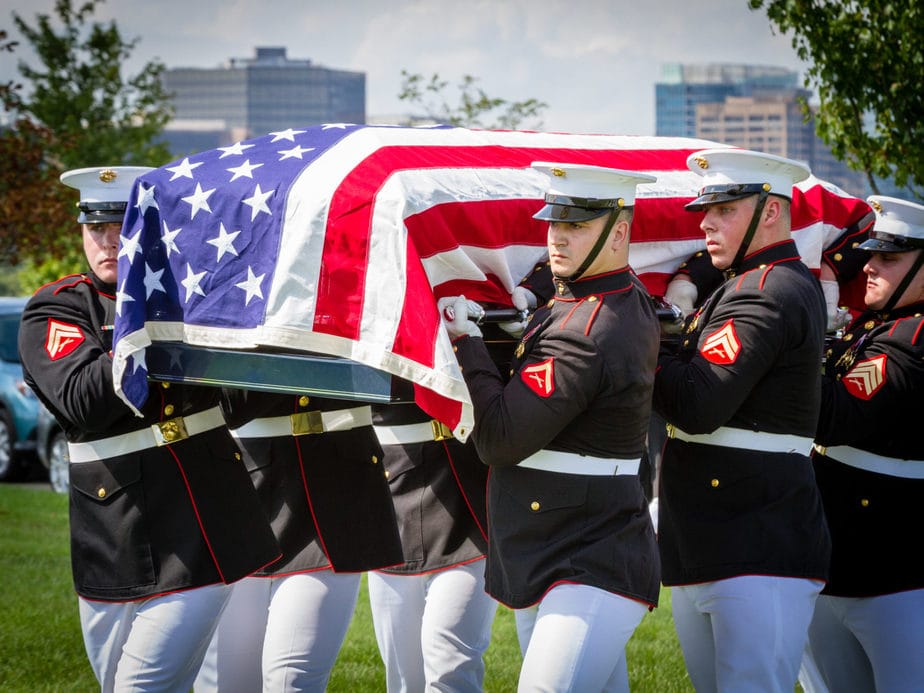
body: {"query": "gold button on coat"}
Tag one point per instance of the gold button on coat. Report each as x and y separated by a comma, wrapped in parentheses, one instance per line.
(168, 410)
(864, 502)
(714, 483)
(534, 505)
(303, 401)
(101, 493)
(375, 459)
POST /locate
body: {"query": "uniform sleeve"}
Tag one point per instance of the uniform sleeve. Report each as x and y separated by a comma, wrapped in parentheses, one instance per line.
(886, 381)
(843, 255)
(539, 281)
(700, 388)
(516, 419)
(705, 277)
(77, 383)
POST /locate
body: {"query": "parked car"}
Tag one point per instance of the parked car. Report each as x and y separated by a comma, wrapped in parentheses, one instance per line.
(18, 404)
(51, 446)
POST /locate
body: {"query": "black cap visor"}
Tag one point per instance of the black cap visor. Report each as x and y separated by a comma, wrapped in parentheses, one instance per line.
(574, 209)
(713, 194)
(101, 212)
(888, 243)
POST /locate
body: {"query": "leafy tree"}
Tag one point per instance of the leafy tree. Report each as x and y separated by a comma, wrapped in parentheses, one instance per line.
(81, 95)
(474, 104)
(866, 61)
(79, 111)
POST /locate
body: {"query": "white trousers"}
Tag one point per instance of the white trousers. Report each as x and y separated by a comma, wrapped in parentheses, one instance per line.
(870, 643)
(575, 640)
(155, 644)
(432, 629)
(283, 631)
(745, 634)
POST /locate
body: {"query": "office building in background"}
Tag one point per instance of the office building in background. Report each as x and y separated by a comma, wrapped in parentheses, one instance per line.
(750, 106)
(249, 97)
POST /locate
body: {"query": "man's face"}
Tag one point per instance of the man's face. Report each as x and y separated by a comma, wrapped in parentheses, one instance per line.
(570, 243)
(101, 245)
(884, 272)
(725, 224)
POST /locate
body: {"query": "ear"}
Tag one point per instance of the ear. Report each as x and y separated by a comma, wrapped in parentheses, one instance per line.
(773, 209)
(620, 234)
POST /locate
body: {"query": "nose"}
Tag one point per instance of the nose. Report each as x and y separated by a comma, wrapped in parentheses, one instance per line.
(706, 225)
(556, 235)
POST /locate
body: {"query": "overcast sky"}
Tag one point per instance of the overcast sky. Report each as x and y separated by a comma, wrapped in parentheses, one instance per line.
(593, 62)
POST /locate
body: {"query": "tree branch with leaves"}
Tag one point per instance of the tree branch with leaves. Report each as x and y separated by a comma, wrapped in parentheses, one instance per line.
(866, 60)
(474, 107)
(80, 110)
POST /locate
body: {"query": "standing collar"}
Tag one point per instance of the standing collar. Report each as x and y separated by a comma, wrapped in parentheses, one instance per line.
(100, 285)
(608, 282)
(911, 310)
(784, 251)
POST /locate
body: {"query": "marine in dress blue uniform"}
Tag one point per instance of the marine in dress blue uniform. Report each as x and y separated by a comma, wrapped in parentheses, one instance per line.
(742, 535)
(431, 615)
(868, 629)
(571, 545)
(317, 467)
(162, 512)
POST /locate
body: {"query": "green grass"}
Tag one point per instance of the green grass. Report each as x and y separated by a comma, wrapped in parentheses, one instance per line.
(41, 648)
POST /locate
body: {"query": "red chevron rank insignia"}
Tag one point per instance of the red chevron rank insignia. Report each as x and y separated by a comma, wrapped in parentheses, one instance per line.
(722, 346)
(540, 377)
(62, 339)
(866, 377)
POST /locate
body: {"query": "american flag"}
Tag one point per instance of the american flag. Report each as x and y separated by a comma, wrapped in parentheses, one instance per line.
(338, 239)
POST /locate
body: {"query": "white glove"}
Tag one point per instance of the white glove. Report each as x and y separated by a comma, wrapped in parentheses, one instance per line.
(682, 293)
(457, 312)
(525, 300)
(837, 317)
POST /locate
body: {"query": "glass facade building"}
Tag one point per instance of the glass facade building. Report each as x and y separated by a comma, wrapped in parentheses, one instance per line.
(749, 106)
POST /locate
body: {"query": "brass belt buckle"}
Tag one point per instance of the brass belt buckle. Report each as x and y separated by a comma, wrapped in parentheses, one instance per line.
(307, 422)
(820, 449)
(170, 431)
(440, 430)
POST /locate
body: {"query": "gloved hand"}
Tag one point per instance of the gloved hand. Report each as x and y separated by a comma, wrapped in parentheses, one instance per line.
(523, 300)
(457, 312)
(682, 293)
(837, 317)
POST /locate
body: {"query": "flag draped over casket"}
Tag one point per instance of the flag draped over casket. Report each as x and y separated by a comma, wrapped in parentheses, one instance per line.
(338, 239)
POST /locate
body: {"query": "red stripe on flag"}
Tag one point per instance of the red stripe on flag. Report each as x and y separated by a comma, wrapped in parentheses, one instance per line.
(346, 242)
(820, 204)
(485, 224)
(415, 326)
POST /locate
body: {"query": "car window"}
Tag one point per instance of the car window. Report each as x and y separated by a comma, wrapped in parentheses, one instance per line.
(9, 330)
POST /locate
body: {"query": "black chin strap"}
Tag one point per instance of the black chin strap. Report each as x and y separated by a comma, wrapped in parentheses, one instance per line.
(598, 246)
(732, 269)
(906, 280)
